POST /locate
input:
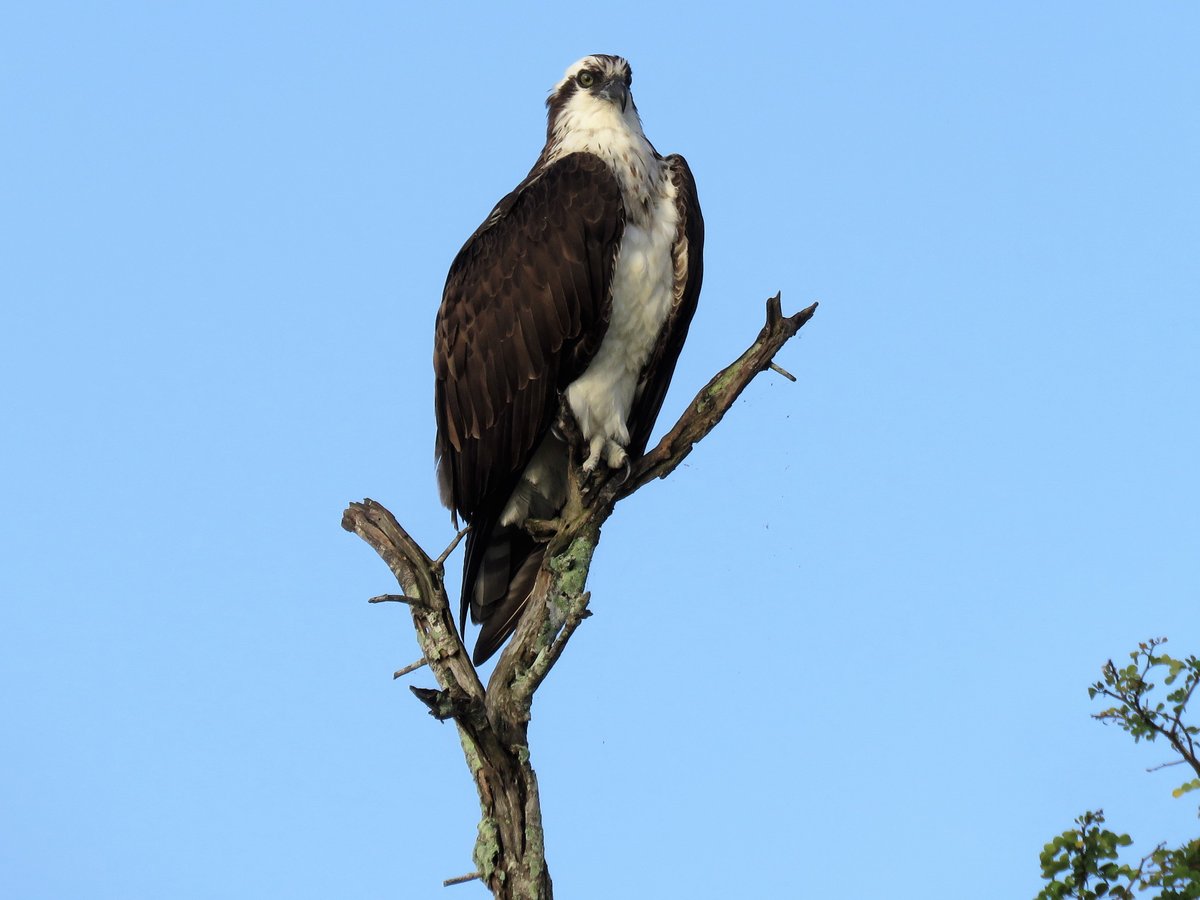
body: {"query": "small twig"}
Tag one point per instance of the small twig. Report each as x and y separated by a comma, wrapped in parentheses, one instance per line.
(542, 529)
(462, 879)
(392, 598)
(775, 367)
(437, 563)
(577, 612)
(1174, 762)
(411, 667)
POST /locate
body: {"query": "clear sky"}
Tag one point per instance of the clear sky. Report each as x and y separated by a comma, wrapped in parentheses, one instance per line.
(842, 652)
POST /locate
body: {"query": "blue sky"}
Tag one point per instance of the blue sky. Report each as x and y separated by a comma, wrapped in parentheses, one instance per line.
(842, 652)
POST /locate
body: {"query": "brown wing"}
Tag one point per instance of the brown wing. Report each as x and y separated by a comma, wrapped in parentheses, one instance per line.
(688, 256)
(525, 307)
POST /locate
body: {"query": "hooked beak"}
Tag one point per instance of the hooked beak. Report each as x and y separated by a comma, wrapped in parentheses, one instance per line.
(615, 90)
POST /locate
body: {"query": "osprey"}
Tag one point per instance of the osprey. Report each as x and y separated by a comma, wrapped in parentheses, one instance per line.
(580, 284)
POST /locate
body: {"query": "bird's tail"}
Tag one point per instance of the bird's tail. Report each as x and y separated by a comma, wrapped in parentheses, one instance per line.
(498, 579)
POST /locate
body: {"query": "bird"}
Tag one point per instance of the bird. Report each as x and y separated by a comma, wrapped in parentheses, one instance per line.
(578, 289)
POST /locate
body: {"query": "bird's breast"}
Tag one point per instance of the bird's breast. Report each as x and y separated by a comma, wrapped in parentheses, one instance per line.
(643, 289)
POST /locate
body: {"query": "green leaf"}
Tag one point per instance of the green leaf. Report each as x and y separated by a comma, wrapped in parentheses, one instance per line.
(1187, 786)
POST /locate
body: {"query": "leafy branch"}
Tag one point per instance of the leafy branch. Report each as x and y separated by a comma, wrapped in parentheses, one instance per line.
(1085, 855)
(1145, 717)
(1083, 862)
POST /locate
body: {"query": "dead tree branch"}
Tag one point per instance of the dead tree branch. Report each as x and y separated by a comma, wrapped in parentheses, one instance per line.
(493, 723)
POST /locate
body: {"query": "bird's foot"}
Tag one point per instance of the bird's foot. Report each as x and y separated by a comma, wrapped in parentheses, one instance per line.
(612, 454)
(615, 455)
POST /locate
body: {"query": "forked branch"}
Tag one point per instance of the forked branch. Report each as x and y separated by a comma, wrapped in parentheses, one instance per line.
(493, 723)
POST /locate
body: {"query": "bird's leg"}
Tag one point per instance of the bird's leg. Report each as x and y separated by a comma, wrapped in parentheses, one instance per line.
(600, 447)
(565, 427)
(595, 453)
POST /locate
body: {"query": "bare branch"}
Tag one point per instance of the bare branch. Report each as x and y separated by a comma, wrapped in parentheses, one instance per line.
(716, 398)
(576, 612)
(493, 724)
(462, 879)
(393, 598)
(440, 561)
(1167, 765)
(411, 667)
(780, 370)
(433, 619)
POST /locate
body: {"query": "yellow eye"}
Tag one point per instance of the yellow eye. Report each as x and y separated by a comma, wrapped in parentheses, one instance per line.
(585, 79)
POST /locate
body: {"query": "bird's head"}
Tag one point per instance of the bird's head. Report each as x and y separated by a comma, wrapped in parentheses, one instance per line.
(593, 91)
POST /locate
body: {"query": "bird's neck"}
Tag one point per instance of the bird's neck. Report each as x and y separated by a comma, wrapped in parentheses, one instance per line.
(616, 138)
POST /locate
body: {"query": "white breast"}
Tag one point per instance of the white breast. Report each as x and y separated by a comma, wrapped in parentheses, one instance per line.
(642, 292)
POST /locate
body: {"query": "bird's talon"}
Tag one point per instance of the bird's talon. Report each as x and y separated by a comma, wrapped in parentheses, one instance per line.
(626, 470)
(615, 455)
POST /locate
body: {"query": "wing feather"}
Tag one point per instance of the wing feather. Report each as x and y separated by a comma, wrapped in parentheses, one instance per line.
(688, 258)
(525, 307)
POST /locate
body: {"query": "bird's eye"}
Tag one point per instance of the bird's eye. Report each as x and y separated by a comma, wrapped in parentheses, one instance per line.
(585, 79)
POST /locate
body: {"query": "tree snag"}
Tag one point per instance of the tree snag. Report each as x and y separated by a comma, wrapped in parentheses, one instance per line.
(493, 722)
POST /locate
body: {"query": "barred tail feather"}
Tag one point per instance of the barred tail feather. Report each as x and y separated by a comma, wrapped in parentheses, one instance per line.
(502, 582)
